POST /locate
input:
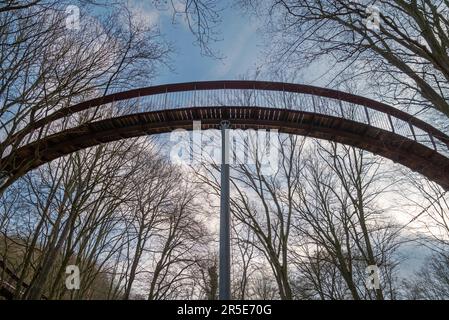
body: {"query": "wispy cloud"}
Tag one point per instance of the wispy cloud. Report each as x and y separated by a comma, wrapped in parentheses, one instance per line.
(144, 13)
(236, 50)
(149, 14)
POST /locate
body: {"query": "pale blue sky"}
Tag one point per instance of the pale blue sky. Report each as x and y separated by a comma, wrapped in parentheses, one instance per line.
(239, 44)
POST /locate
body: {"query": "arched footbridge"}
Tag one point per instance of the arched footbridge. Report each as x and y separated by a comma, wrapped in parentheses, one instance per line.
(290, 108)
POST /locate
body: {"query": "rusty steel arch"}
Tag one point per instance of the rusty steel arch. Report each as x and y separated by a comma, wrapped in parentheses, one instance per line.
(290, 108)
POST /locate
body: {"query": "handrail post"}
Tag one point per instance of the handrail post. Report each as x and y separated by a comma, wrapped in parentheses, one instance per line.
(391, 123)
(367, 115)
(412, 131)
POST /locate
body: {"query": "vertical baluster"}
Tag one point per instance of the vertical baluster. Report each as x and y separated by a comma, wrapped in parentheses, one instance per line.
(254, 94)
(391, 123)
(367, 115)
(313, 103)
(433, 142)
(283, 97)
(340, 103)
(412, 130)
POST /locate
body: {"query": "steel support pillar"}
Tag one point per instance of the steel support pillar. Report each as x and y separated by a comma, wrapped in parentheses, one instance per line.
(224, 280)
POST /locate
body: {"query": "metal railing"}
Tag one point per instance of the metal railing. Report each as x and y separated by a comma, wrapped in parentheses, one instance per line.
(244, 94)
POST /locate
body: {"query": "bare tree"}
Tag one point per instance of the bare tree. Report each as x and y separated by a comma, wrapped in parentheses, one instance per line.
(340, 215)
(431, 282)
(46, 66)
(427, 206)
(244, 260)
(270, 217)
(400, 46)
(182, 242)
(151, 190)
(86, 178)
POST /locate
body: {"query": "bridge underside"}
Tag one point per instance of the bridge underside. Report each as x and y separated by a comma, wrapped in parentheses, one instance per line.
(393, 146)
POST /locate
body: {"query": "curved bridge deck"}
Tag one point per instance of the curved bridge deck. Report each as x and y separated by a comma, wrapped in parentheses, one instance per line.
(290, 108)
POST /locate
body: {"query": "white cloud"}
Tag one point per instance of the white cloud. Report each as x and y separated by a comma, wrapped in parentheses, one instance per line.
(144, 14)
